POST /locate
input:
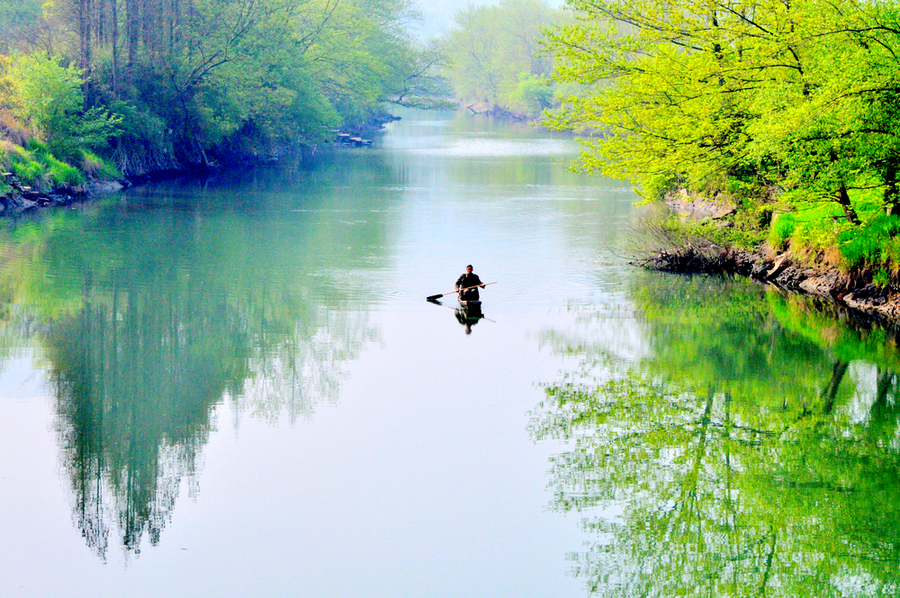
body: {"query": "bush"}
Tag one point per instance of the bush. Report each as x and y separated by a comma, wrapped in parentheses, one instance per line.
(781, 230)
(96, 167)
(873, 245)
(47, 97)
(532, 94)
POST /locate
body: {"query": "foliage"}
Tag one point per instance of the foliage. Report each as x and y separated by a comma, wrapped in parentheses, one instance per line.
(21, 23)
(48, 98)
(876, 243)
(196, 81)
(96, 167)
(801, 97)
(494, 55)
(532, 95)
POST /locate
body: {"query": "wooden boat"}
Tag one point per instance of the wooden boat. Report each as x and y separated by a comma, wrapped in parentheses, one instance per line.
(472, 308)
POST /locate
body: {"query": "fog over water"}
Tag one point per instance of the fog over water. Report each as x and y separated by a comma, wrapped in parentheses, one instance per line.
(438, 16)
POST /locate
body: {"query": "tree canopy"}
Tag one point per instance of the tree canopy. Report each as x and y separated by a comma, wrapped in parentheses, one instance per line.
(182, 82)
(494, 56)
(770, 100)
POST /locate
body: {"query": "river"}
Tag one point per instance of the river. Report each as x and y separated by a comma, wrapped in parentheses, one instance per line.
(235, 387)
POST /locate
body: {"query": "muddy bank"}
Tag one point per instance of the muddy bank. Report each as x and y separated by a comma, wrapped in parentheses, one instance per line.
(854, 293)
(23, 198)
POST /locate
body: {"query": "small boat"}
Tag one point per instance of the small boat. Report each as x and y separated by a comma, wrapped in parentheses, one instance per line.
(471, 307)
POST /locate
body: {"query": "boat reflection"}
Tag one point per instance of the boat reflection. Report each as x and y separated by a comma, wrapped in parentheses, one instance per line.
(468, 313)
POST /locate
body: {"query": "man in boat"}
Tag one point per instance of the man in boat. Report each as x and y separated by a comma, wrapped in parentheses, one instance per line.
(469, 279)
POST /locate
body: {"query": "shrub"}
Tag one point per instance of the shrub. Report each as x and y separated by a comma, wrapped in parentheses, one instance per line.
(48, 98)
(96, 167)
(873, 245)
(781, 230)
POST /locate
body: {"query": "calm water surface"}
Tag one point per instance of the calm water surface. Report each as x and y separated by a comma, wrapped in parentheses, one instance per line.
(234, 387)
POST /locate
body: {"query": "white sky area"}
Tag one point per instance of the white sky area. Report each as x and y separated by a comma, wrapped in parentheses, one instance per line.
(438, 14)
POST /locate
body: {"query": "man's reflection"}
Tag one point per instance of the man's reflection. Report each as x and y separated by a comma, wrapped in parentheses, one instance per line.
(468, 317)
(468, 314)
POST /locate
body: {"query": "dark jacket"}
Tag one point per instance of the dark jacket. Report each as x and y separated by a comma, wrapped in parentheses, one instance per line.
(468, 280)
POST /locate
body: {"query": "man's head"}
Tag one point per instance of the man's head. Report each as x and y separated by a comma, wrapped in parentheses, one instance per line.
(469, 269)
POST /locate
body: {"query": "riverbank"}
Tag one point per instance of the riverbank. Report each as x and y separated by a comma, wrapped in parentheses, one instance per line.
(689, 234)
(855, 293)
(22, 197)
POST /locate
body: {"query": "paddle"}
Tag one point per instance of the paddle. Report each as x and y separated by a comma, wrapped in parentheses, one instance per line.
(433, 297)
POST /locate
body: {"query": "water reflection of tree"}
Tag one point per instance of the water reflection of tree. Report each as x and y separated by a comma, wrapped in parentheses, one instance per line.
(149, 320)
(136, 381)
(743, 456)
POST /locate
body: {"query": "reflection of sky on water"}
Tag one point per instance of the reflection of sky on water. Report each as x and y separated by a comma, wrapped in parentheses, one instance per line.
(373, 449)
(498, 148)
(354, 441)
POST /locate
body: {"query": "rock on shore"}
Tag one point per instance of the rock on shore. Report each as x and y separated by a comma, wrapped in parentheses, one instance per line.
(23, 198)
(838, 287)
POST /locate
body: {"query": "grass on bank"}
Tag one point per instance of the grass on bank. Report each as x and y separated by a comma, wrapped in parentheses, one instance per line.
(813, 232)
(35, 166)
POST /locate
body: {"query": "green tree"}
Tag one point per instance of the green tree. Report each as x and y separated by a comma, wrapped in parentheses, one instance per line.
(494, 55)
(705, 94)
(199, 81)
(48, 98)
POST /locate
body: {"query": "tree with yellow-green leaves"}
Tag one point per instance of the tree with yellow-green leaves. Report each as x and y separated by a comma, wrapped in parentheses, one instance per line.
(494, 56)
(186, 82)
(796, 104)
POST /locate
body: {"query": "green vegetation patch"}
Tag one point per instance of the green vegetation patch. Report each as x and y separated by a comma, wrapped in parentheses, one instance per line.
(816, 136)
(37, 167)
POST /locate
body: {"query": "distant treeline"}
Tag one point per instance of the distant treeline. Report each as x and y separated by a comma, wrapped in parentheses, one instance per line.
(494, 58)
(139, 86)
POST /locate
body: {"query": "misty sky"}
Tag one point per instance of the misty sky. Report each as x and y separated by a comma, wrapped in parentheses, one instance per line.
(438, 14)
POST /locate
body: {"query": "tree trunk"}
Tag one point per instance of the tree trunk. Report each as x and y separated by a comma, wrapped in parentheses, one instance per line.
(114, 39)
(83, 15)
(891, 193)
(829, 393)
(844, 200)
(132, 29)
